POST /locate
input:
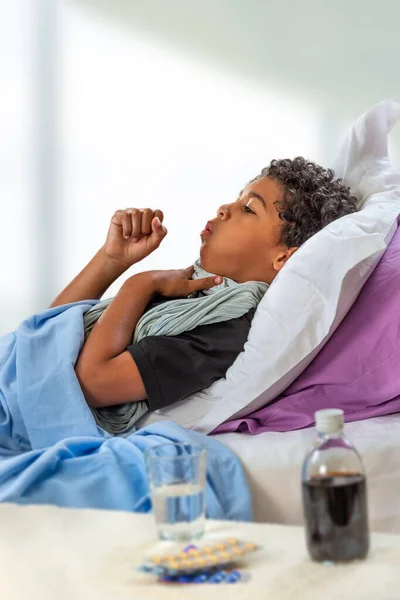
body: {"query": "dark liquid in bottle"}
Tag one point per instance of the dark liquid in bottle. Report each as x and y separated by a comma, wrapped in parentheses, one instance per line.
(335, 511)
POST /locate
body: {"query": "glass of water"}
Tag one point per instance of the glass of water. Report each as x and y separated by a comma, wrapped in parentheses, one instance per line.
(177, 475)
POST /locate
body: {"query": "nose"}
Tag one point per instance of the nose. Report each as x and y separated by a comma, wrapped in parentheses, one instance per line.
(223, 212)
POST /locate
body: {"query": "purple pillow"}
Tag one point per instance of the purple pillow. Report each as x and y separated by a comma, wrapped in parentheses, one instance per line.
(357, 370)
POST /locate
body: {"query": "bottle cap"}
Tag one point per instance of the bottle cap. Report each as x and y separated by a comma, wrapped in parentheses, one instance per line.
(329, 420)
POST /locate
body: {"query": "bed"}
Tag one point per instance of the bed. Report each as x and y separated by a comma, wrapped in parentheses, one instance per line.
(273, 466)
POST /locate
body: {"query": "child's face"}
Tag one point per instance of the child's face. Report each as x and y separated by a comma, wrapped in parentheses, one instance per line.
(243, 241)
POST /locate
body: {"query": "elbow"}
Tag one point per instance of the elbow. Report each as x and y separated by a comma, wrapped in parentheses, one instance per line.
(89, 381)
(109, 382)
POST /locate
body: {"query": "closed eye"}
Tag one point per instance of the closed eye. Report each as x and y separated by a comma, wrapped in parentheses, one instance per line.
(248, 210)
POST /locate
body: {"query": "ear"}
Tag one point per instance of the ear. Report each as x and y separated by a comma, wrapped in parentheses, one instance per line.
(282, 257)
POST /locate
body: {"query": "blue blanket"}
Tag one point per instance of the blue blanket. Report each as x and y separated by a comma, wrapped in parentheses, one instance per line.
(52, 451)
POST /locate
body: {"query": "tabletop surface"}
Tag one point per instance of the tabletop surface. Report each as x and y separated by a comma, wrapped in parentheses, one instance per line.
(56, 553)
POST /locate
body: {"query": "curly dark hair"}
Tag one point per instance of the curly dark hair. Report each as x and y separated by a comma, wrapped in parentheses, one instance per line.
(311, 199)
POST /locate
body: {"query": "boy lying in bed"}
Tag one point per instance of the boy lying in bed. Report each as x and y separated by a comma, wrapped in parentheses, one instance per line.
(182, 345)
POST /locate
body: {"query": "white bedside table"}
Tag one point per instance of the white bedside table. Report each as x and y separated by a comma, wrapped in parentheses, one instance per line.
(50, 553)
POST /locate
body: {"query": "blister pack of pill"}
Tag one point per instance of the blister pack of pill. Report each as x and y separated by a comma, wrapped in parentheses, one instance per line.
(195, 562)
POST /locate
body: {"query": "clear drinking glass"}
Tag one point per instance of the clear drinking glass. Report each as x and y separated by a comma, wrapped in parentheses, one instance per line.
(177, 475)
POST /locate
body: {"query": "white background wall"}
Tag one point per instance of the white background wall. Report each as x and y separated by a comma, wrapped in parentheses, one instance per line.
(17, 287)
(102, 107)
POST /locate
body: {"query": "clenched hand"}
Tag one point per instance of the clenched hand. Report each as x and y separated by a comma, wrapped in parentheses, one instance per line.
(134, 233)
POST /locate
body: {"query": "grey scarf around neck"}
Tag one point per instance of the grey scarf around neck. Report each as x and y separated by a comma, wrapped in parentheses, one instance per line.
(228, 300)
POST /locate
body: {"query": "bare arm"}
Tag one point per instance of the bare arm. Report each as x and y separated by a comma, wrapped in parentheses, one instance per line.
(93, 281)
(133, 234)
(106, 370)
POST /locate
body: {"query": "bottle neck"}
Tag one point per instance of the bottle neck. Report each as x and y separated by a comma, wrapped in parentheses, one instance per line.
(332, 435)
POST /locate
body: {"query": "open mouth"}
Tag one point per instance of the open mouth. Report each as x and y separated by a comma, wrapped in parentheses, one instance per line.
(207, 230)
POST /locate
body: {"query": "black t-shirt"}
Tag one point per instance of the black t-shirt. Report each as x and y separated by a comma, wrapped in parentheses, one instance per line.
(174, 367)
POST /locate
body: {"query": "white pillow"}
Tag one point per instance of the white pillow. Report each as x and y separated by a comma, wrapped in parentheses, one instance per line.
(316, 288)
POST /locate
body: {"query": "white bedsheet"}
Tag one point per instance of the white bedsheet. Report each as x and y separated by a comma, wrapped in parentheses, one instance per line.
(273, 466)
